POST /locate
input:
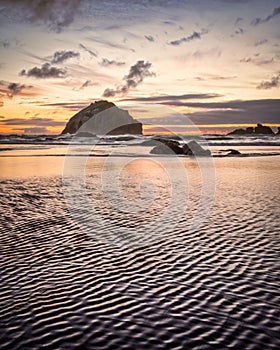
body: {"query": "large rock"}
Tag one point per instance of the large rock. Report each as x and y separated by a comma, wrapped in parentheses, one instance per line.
(259, 129)
(103, 118)
(173, 147)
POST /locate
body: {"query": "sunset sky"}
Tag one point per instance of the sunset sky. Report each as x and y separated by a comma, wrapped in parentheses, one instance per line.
(215, 62)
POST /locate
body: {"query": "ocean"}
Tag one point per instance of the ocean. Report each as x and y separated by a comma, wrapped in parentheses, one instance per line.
(105, 246)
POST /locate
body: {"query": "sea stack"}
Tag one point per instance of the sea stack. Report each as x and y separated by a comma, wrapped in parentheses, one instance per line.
(103, 118)
(259, 130)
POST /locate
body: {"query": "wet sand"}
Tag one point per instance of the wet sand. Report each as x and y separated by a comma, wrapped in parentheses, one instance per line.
(67, 284)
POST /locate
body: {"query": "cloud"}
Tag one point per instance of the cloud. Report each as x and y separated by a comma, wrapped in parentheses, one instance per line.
(235, 106)
(201, 54)
(5, 44)
(44, 72)
(92, 53)
(34, 130)
(54, 14)
(269, 84)
(261, 42)
(172, 97)
(105, 62)
(233, 111)
(215, 77)
(193, 36)
(229, 112)
(238, 20)
(257, 61)
(85, 84)
(250, 111)
(72, 106)
(136, 75)
(32, 122)
(149, 38)
(13, 89)
(107, 43)
(257, 21)
(239, 31)
(61, 56)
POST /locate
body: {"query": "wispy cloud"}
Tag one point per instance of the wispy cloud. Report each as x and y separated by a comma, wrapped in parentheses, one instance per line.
(33, 130)
(73, 106)
(32, 121)
(5, 44)
(107, 43)
(215, 77)
(257, 61)
(61, 56)
(137, 73)
(91, 52)
(274, 82)
(105, 62)
(44, 72)
(193, 36)
(85, 84)
(261, 42)
(149, 38)
(172, 97)
(238, 20)
(257, 21)
(250, 111)
(239, 31)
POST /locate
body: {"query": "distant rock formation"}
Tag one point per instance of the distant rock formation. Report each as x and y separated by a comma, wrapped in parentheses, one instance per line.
(102, 118)
(164, 146)
(259, 129)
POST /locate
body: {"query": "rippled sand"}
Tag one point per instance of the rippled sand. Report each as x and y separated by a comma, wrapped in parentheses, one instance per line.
(66, 284)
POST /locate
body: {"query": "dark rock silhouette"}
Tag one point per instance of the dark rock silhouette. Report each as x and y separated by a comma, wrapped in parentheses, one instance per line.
(262, 129)
(232, 152)
(259, 129)
(173, 147)
(102, 118)
(278, 131)
(194, 149)
(166, 147)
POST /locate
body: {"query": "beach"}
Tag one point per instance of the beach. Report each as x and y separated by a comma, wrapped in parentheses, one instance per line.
(119, 277)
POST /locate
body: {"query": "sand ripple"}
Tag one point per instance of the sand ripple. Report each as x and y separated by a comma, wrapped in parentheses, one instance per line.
(214, 288)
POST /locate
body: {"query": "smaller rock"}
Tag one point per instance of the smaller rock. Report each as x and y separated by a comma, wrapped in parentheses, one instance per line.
(125, 138)
(169, 147)
(194, 149)
(232, 152)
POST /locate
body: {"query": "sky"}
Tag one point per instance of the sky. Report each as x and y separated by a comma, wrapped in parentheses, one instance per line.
(214, 63)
